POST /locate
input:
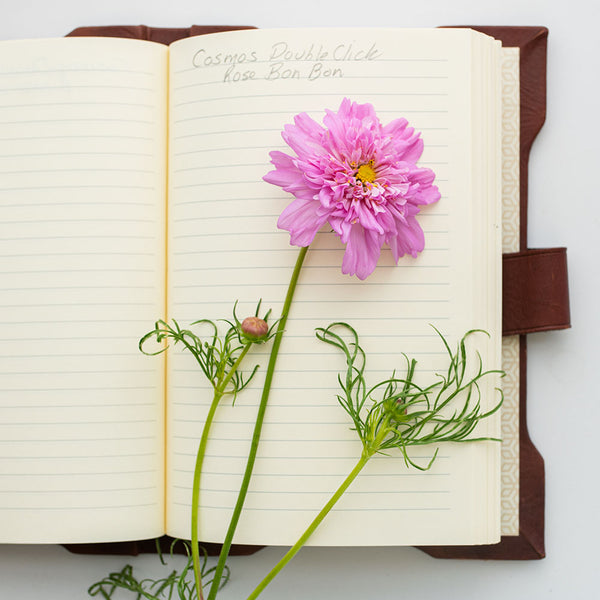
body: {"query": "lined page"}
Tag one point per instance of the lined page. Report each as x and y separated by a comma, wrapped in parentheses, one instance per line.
(82, 203)
(231, 95)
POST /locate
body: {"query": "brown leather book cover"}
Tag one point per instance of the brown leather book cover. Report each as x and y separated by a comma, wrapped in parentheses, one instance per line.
(535, 295)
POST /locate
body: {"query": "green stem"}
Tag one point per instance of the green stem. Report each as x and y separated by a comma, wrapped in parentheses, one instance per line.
(369, 449)
(214, 588)
(219, 391)
(311, 528)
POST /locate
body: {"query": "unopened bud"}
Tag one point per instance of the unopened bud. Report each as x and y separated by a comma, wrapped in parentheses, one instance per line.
(255, 328)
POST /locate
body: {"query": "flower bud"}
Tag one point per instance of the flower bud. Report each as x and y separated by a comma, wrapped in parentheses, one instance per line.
(255, 328)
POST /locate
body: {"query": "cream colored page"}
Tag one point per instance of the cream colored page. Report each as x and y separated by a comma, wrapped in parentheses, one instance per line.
(510, 344)
(82, 202)
(231, 95)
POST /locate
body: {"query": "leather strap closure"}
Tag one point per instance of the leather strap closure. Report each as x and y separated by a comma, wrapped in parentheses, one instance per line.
(535, 291)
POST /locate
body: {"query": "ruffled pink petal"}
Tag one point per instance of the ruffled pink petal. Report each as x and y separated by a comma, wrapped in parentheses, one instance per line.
(362, 252)
(367, 218)
(410, 239)
(426, 192)
(286, 174)
(337, 138)
(302, 219)
(340, 226)
(366, 113)
(305, 136)
(407, 144)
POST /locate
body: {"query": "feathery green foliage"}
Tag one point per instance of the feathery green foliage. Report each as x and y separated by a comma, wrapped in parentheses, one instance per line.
(398, 413)
(177, 585)
(217, 355)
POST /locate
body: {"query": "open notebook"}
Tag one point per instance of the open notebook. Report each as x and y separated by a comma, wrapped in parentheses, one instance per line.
(132, 189)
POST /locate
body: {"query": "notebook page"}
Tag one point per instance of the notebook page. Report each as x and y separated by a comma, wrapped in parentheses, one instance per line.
(510, 344)
(231, 94)
(82, 203)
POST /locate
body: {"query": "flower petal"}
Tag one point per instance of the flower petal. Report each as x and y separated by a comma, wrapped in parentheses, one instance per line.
(286, 173)
(302, 219)
(304, 137)
(410, 239)
(408, 144)
(426, 192)
(365, 207)
(362, 252)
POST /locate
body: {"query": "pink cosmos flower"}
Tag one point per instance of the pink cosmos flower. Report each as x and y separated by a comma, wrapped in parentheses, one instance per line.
(358, 176)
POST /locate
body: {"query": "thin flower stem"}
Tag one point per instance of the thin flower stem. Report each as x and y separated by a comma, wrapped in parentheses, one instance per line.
(369, 449)
(258, 426)
(219, 392)
(311, 528)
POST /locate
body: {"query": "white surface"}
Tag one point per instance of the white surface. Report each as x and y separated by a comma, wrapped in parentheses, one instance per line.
(563, 402)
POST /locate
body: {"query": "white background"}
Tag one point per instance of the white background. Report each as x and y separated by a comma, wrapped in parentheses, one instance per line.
(564, 413)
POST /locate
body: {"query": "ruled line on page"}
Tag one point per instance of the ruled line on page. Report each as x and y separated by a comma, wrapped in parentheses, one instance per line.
(78, 136)
(349, 458)
(74, 405)
(319, 284)
(79, 304)
(82, 253)
(70, 271)
(79, 456)
(79, 389)
(78, 154)
(427, 474)
(257, 130)
(70, 423)
(73, 170)
(67, 288)
(79, 491)
(78, 104)
(363, 77)
(71, 507)
(316, 94)
(63, 440)
(74, 371)
(106, 321)
(69, 355)
(349, 492)
(212, 167)
(305, 267)
(93, 71)
(78, 203)
(77, 473)
(76, 120)
(282, 112)
(310, 511)
(238, 233)
(288, 250)
(67, 87)
(30, 188)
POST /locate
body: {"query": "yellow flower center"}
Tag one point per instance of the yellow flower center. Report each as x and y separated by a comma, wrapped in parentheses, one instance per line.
(366, 173)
